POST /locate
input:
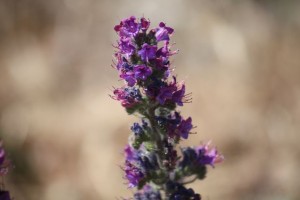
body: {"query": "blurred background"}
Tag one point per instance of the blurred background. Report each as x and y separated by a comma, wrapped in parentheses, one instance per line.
(64, 134)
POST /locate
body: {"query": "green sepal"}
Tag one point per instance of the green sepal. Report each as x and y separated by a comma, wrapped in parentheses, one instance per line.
(142, 183)
(131, 110)
(159, 177)
(135, 108)
(150, 146)
(151, 39)
(201, 172)
(170, 105)
(136, 144)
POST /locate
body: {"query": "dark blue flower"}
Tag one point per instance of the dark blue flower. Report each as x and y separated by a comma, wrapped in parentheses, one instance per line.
(149, 162)
(179, 192)
(200, 156)
(137, 129)
(189, 157)
(145, 124)
(153, 89)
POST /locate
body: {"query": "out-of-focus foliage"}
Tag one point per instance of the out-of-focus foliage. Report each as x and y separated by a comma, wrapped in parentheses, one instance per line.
(64, 135)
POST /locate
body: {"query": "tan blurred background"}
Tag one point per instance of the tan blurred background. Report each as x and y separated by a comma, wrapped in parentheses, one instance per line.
(65, 135)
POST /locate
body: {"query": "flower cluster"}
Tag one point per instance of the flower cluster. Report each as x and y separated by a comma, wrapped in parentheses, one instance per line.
(152, 164)
(4, 165)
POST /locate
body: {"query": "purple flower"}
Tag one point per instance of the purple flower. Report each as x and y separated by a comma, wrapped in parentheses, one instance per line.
(130, 153)
(133, 174)
(142, 72)
(179, 95)
(165, 51)
(172, 93)
(178, 127)
(147, 52)
(162, 63)
(129, 77)
(165, 93)
(185, 127)
(132, 170)
(126, 47)
(127, 27)
(208, 156)
(163, 32)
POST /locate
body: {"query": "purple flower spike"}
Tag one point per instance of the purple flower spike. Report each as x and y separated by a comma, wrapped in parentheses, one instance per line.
(147, 52)
(142, 72)
(163, 32)
(152, 163)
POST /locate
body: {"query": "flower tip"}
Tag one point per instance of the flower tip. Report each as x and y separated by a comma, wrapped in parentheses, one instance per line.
(117, 28)
(161, 24)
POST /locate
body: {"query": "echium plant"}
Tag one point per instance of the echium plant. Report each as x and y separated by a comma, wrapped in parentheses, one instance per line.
(152, 163)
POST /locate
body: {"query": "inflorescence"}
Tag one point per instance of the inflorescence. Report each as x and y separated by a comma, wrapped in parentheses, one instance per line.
(152, 163)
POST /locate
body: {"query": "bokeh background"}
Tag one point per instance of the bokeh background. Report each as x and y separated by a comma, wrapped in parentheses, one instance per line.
(64, 134)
